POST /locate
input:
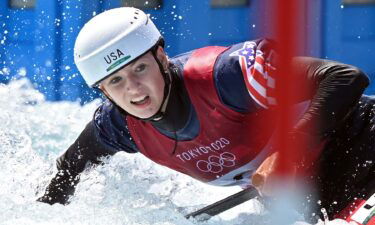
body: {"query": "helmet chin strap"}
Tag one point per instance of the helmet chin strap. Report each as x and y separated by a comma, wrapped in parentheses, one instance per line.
(167, 90)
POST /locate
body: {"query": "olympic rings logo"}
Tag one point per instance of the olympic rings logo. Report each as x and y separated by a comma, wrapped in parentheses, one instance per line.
(216, 164)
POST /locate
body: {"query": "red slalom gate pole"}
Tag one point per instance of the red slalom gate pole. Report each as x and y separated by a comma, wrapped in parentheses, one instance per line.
(288, 25)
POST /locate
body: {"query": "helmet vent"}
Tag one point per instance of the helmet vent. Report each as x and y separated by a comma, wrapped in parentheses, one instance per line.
(135, 17)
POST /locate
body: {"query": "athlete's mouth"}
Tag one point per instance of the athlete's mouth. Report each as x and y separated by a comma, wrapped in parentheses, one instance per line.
(140, 101)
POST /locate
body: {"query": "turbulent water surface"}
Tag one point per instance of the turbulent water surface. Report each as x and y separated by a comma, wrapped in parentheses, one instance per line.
(128, 189)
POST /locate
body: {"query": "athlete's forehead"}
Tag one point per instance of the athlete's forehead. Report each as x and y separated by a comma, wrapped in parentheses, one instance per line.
(146, 57)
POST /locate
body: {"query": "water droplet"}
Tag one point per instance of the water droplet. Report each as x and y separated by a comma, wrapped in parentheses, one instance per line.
(48, 63)
(22, 71)
(325, 215)
(6, 71)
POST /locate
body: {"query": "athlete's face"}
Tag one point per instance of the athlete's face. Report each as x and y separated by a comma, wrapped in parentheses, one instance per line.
(138, 88)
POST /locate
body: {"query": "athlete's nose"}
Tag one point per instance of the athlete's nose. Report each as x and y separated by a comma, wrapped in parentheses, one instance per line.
(132, 84)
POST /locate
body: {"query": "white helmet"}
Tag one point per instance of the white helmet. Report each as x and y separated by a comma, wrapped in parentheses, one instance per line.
(112, 40)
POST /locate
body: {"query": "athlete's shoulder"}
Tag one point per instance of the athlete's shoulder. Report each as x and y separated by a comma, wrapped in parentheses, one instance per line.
(111, 128)
(233, 68)
(247, 51)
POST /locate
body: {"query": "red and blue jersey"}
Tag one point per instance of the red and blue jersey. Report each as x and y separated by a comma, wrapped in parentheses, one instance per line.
(229, 143)
(230, 90)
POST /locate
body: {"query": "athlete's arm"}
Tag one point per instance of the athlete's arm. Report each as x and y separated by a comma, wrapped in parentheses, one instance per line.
(335, 89)
(87, 148)
(105, 135)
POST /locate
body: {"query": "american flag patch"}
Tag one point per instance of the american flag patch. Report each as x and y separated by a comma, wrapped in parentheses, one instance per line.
(257, 74)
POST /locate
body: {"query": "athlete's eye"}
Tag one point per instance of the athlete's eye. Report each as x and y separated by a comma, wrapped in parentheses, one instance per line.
(115, 80)
(140, 67)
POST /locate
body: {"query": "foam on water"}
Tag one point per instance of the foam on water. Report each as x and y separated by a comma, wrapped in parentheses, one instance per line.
(128, 189)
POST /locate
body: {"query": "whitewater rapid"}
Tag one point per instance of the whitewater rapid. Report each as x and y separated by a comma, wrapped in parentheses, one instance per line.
(129, 189)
